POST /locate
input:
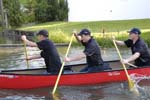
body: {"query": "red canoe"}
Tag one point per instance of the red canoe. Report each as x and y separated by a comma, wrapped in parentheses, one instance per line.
(33, 78)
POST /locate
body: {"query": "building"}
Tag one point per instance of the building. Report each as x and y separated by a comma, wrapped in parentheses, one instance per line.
(99, 10)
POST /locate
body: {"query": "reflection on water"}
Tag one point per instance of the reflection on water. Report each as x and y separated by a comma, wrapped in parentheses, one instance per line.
(13, 58)
(21, 95)
(111, 91)
(9, 39)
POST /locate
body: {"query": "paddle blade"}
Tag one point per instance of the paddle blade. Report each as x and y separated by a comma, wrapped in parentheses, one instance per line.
(55, 96)
(133, 88)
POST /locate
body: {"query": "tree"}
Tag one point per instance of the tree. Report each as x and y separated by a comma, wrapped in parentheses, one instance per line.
(63, 10)
(41, 11)
(29, 14)
(51, 10)
(15, 17)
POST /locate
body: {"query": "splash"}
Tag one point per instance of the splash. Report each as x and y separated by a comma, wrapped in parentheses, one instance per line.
(144, 90)
(137, 78)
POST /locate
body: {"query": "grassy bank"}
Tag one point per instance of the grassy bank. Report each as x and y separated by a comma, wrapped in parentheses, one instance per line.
(106, 40)
(101, 30)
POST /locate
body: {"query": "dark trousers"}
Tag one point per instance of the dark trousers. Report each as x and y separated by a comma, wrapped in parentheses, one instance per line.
(103, 67)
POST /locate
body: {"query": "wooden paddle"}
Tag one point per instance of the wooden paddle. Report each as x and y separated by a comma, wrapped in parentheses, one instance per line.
(60, 72)
(25, 49)
(130, 81)
(55, 96)
(132, 65)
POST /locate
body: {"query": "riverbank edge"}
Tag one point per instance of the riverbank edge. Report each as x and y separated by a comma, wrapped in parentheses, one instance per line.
(21, 45)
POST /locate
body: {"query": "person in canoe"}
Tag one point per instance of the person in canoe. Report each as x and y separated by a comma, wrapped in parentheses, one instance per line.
(91, 52)
(140, 51)
(49, 52)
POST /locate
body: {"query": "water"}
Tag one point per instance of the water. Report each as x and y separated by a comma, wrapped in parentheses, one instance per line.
(111, 91)
(13, 58)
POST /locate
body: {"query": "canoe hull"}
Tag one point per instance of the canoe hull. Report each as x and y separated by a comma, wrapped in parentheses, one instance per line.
(25, 81)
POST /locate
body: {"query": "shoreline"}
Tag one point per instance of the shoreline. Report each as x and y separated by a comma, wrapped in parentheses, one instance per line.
(21, 45)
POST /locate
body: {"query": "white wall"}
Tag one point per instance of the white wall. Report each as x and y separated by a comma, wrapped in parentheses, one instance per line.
(96, 10)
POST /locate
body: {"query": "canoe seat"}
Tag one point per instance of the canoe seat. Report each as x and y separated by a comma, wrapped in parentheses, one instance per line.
(106, 66)
(67, 70)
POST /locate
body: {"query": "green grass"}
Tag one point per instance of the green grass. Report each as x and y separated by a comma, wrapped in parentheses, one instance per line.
(106, 39)
(23, 1)
(97, 26)
(61, 31)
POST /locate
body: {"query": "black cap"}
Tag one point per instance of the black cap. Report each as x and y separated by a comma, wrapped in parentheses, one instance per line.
(84, 32)
(43, 32)
(135, 31)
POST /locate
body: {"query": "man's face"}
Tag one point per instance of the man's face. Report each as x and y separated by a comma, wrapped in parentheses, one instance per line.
(40, 37)
(132, 36)
(85, 38)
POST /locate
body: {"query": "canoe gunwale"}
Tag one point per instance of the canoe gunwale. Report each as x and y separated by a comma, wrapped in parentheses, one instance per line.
(10, 72)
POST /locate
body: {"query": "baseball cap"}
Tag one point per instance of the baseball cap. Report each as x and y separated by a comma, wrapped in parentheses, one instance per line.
(84, 32)
(43, 32)
(135, 31)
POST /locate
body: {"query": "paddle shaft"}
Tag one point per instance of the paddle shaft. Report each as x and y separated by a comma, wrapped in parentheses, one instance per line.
(129, 79)
(25, 49)
(132, 65)
(60, 72)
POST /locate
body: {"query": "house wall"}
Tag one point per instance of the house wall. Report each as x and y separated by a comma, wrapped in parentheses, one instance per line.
(98, 10)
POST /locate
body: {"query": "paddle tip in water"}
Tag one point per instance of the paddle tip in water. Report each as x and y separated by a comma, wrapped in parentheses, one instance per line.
(55, 97)
(135, 91)
(133, 88)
